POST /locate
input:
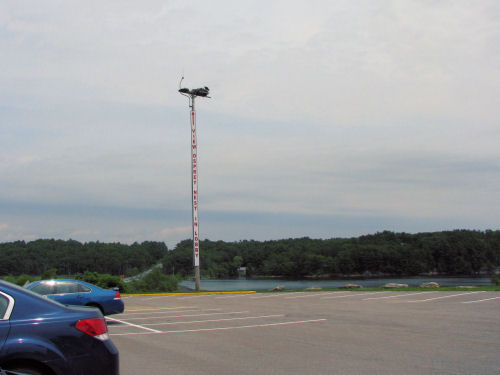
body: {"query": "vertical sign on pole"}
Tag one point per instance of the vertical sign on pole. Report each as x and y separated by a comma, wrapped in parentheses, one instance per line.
(192, 94)
(194, 183)
(194, 196)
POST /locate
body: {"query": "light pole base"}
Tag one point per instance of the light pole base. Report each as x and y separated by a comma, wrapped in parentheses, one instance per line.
(197, 278)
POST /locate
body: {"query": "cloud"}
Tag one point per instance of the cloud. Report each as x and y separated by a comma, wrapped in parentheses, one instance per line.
(15, 232)
(320, 109)
(184, 230)
(85, 233)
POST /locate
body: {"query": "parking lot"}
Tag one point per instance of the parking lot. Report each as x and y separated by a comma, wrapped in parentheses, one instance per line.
(341, 332)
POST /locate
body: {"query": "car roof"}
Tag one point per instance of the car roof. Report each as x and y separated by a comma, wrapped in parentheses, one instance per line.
(64, 280)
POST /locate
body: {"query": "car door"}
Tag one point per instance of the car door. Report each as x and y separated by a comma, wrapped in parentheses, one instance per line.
(85, 294)
(6, 305)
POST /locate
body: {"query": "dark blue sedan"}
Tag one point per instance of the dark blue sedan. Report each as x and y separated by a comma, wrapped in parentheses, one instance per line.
(39, 336)
(76, 292)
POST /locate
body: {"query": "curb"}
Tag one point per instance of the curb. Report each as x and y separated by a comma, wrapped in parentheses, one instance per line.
(184, 294)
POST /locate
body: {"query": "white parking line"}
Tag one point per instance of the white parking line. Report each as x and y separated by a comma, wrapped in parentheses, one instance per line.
(216, 320)
(154, 297)
(399, 295)
(234, 296)
(222, 328)
(197, 296)
(353, 294)
(127, 311)
(314, 295)
(443, 297)
(133, 325)
(285, 294)
(151, 312)
(189, 315)
(482, 300)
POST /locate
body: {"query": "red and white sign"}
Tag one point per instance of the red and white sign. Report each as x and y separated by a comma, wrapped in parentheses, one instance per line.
(194, 183)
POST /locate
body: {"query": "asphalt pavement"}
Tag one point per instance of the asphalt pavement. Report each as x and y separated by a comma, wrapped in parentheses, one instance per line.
(284, 333)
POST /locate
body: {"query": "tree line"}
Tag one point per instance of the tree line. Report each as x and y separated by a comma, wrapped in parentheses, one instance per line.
(458, 252)
(72, 257)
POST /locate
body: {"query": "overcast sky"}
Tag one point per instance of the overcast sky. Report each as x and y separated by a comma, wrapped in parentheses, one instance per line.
(327, 118)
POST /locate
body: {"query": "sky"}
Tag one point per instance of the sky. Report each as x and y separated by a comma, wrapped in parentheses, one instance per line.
(326, 118)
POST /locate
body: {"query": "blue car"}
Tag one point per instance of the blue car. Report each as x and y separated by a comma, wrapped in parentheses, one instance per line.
(76, 292)
(39, 336)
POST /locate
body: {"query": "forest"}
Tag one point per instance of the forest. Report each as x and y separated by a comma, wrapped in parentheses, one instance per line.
(458, 252)
(72, 257)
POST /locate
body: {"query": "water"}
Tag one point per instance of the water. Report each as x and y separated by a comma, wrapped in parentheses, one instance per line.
(266, 284)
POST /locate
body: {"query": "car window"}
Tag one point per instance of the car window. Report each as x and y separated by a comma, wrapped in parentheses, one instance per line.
(6, 306)
(83, 288)
(65, 287)
(43, 289)
(4, 303)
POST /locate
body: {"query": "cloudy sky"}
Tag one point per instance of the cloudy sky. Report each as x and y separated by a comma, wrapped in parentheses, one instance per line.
(327, 118)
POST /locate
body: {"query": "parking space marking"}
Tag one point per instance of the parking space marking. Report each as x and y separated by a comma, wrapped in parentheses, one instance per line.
(482, 300)
(398, 295)
(197, 296)
(215, 320)
(313, 295)
(278, 295)
(155, 297)
(443, 297)
(189, 315)
(235, 296)
(166, 312)
(133, 325)
(221, 328)
(352, 295)
(157, 308)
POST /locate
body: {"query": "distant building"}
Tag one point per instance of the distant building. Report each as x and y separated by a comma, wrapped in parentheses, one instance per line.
(242, 272)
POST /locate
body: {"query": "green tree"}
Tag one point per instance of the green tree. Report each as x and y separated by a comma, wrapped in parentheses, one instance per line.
(49, 274)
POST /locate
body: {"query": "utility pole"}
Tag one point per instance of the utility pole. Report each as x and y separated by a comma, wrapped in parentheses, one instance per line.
(192, 94)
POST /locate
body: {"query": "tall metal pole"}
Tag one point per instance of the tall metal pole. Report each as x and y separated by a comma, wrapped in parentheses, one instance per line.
(194, 195)
(192, 94)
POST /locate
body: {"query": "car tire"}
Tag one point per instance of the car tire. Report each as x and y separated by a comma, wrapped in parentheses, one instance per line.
(24, 370)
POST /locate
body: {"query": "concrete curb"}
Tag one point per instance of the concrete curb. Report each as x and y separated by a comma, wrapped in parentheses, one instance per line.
(184, 294)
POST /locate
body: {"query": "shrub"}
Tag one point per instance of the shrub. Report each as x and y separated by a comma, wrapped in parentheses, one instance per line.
(49, 274)
(20, 280)
(10, 279)
(133, 271)
(23, 279)
(103, 280)
(154, 281)
(495, 279)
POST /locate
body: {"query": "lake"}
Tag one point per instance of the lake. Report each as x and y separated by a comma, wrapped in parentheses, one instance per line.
(266, 284)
